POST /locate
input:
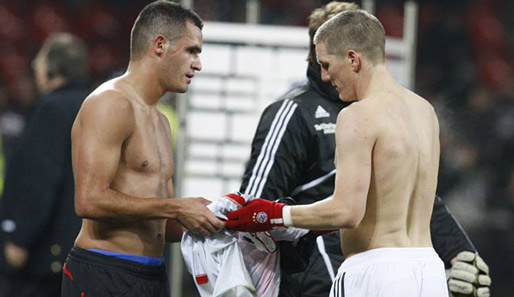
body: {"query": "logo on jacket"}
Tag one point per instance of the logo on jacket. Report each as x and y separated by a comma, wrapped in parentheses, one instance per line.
(321, 113)
(327, 128)
(260, 217)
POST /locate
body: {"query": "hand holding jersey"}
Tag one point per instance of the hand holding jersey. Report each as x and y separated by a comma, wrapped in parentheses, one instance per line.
(258, 215)
(469, 275)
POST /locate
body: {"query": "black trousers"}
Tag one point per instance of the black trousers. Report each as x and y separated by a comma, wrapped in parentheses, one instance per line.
(89, 274)
(18, 286)
(315, 280)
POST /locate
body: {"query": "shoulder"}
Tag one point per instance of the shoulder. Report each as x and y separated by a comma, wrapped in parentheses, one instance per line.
(304, 96)
(298, 100)
(108, 107)
(356, 112)
(107, 100)
(424, 109)
(428, 109)
(422, 101)
(358, 118)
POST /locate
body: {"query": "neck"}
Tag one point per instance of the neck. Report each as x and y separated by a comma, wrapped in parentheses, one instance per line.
(377, 79)
(143, 78)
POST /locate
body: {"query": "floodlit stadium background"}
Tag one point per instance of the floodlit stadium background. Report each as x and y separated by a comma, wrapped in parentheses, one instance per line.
(463, 65)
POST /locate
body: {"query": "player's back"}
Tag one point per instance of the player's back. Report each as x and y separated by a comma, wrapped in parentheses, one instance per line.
(405, 164)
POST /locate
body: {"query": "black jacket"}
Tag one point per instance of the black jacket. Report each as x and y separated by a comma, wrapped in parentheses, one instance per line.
(293, 155)
(39, 190)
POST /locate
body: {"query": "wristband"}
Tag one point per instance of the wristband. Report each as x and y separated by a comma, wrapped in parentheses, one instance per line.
(286, 215)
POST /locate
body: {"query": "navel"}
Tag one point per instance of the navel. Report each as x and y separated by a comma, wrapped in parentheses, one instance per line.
(145, 163)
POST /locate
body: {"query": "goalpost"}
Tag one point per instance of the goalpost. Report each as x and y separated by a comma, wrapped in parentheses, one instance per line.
(245, 68)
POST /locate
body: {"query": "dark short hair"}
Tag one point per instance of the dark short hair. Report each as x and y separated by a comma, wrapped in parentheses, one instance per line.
(160, 18)
(320, 16)
(67, 56)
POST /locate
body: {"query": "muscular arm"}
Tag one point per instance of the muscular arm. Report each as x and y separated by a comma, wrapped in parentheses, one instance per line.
(105, 122)
(354, 140)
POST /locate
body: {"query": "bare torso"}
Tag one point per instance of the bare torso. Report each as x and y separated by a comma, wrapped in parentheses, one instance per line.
(405, 160)
(145, 169)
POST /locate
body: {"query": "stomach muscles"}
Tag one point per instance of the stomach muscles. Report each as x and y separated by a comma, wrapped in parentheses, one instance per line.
(136, 236)
(145, 237)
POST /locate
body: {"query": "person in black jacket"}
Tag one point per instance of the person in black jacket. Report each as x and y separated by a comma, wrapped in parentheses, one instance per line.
(293, 155)
(37, 217)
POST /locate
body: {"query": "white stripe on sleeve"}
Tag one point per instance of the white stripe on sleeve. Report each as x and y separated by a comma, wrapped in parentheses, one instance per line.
(272, 141)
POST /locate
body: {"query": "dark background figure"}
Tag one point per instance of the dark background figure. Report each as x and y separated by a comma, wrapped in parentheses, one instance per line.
(37, 211)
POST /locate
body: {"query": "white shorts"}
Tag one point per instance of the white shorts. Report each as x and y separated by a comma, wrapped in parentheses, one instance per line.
(391, 272)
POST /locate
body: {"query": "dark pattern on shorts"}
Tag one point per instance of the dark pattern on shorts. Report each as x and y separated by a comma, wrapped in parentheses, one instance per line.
(88, 274)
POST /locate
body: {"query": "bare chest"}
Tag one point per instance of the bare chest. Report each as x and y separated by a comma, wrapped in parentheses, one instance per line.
(149, 150)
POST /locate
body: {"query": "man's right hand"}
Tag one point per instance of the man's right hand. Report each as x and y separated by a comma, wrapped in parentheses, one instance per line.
(197, 218)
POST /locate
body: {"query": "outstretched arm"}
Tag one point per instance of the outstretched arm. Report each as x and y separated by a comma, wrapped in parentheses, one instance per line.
(354, 141)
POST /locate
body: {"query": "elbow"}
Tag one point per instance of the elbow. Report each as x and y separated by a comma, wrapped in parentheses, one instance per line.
(81, 209)
(84, 208)
(349, 220)
(352, 223)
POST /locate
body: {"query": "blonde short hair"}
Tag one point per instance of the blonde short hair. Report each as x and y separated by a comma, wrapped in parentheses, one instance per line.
(356, 30)
(321, 15)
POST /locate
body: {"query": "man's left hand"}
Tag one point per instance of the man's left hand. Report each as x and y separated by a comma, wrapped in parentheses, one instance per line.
(469, 276)
(257, 215)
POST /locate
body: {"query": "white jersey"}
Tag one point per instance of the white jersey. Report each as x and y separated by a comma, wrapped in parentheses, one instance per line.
(217, 263)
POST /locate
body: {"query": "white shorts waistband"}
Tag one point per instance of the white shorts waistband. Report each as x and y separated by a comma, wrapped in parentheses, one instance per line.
(381, 254)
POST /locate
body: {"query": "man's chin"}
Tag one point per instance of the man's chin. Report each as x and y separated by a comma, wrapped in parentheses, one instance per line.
(180, 90)
(346, 99)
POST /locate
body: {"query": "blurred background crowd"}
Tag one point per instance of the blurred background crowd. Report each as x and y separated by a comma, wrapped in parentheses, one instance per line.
(465, 67)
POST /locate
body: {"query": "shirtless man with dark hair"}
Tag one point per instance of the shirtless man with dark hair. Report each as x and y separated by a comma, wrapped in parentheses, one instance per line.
(123, 164)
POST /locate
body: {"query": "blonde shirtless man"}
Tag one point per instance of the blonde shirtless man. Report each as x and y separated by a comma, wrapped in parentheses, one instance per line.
(387, 160)
(123, 164)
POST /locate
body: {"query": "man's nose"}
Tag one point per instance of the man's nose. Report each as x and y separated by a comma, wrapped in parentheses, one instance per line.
(197, 64)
